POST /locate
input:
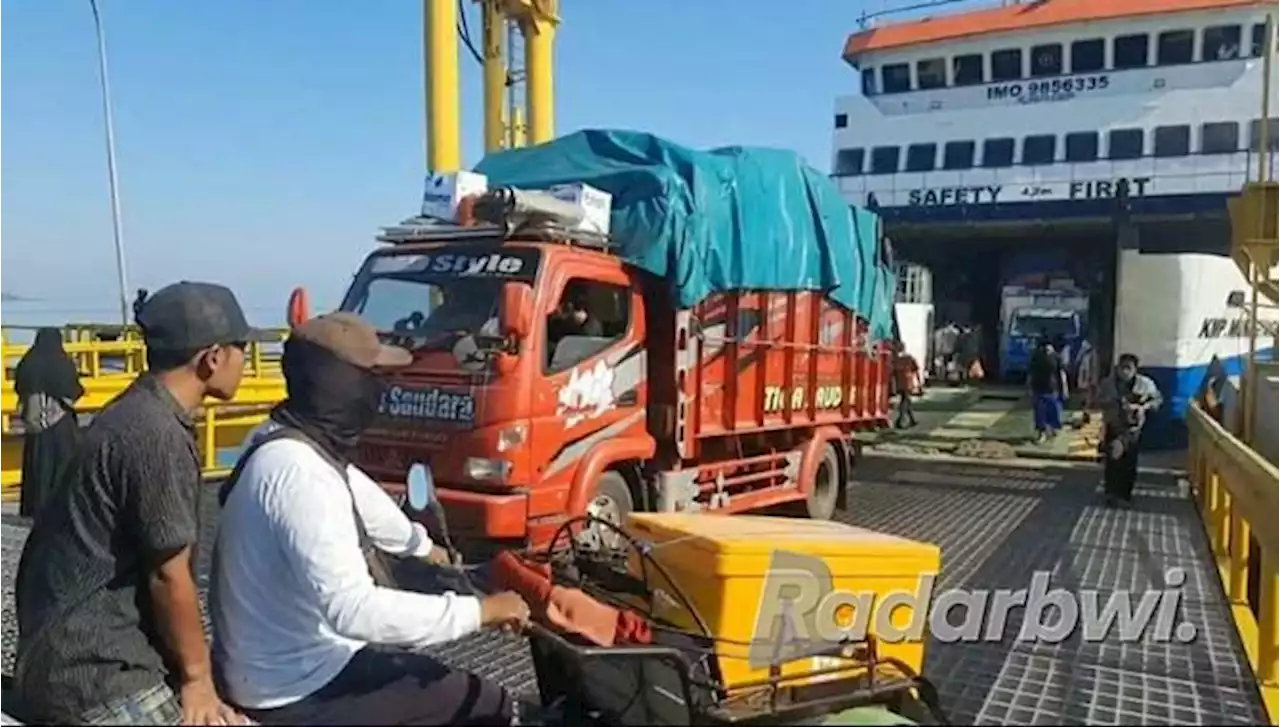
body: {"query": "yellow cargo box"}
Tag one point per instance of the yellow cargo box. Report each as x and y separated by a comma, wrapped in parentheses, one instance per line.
(780, 591)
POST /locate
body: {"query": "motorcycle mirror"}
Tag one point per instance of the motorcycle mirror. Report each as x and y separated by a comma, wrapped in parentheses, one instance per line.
(422, 490)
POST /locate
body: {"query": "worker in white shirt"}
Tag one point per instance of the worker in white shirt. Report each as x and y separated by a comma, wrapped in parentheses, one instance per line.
(301, 627)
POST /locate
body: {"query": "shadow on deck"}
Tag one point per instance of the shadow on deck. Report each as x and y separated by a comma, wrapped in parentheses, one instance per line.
(997, 526)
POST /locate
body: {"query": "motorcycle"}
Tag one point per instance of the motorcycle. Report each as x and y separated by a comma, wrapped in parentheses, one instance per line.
(672, 675)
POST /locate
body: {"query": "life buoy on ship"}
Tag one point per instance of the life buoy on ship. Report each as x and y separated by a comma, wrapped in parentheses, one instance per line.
(299, 307)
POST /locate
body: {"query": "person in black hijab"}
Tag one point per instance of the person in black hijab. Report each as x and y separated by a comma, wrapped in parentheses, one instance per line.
(48, 386)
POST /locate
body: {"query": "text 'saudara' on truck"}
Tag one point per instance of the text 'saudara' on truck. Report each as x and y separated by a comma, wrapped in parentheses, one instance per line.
(744, 401)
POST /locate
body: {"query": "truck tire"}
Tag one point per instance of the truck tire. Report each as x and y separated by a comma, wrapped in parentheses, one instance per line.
(822, 500)
(613, 502)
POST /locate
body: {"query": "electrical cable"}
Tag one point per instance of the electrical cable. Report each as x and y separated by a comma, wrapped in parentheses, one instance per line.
(464, 31)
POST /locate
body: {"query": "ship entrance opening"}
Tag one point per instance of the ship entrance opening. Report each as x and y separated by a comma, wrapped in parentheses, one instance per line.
(1001, 288)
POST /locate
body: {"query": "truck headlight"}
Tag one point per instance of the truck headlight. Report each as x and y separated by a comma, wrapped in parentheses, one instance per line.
(511, 437)
(488, 470)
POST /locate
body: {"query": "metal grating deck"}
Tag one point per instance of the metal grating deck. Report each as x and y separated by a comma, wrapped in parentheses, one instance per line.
(996, 526)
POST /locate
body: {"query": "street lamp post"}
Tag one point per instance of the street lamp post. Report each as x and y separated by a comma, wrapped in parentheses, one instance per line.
(112, 182)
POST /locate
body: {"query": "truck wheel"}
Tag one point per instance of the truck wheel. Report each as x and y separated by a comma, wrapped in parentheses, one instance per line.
(611, 502)
(821, 504)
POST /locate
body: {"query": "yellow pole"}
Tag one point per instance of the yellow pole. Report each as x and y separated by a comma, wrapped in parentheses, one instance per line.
(1249, 383)
(440, 50)
(539, 40)
(495, 74)
(519, 137)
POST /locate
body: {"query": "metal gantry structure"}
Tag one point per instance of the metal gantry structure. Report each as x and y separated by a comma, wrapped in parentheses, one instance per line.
(518, 86)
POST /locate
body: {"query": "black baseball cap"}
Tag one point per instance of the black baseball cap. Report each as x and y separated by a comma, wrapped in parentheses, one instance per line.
(190, 316)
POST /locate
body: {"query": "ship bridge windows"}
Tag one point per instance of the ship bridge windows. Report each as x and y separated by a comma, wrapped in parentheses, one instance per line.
(850, 162)
(1082, 146)
(922, 157)
(868, 81)
(958, 155)
(1006, 64)
(967, 70)
(1123, 144)
(997, 153)
(1039, 149)
(895, 78)
(1130, 51)
(1088, 56)
(1221, 137)
(1046, 60)
(1257, 39)
(1175, 47)
(884, 159)
(1172, 141)
(1255, 135)
(931, 73)
(1221, 43)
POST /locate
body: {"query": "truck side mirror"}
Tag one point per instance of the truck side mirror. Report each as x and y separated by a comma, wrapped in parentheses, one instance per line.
(299, 307)
(516, 310)
(422, 490)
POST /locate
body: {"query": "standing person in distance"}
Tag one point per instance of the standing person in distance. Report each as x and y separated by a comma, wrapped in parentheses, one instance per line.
(48, 386)
(906, 380)
(1046, 382)
(1127, 398)
(108, 612)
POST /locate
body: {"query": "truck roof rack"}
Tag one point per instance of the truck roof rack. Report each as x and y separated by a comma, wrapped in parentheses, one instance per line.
(502, 214)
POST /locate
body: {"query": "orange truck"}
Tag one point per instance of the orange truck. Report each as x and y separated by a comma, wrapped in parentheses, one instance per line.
(552, 378)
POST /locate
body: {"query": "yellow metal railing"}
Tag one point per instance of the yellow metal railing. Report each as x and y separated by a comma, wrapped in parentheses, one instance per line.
(1236, 492)
(220, 427)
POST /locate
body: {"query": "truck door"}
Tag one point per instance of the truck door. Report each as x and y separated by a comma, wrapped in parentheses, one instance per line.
(593, 368)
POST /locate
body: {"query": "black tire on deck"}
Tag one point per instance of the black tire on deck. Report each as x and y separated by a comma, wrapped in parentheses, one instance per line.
(825, 495)
(612, 501)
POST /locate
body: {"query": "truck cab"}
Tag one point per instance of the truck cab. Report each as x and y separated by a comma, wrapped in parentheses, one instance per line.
(526, 371)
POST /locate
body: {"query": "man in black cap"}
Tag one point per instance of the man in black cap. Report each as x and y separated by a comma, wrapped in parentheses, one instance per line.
(109, 617)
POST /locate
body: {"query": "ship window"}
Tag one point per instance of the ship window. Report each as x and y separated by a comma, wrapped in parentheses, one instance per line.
(1046, 60)
(1124, 144)
(967, 70)
(931, 73)
(1039, 149)
(1172, 141)
(1131, 51)
(849, 162)
(1088, 55)
(958, 155)
(1082, 146)
(1221, 43)
(1006, 65)
(884, 160)
(868, 81)
(842, 121)
(922, 157)
(1257, 39)
(1220, 138)
(997, 153)
(895, 78)
(1273, 135)
(1174, 47)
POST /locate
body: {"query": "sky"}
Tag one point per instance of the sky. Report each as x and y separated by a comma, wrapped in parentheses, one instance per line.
(260, 144)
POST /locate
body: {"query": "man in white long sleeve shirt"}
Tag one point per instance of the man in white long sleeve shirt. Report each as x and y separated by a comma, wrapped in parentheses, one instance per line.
(299, 622)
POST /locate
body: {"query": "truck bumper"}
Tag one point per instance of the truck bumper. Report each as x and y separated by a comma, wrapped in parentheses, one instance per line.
(486, 515)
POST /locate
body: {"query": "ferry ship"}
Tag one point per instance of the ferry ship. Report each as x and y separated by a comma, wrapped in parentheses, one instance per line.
(1070, 147)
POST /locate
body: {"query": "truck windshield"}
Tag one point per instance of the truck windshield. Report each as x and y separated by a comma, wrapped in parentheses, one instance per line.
(431, 299)
(1045, 325)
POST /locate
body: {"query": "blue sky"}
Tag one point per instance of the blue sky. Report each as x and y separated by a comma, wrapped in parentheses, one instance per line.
(261, 143)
